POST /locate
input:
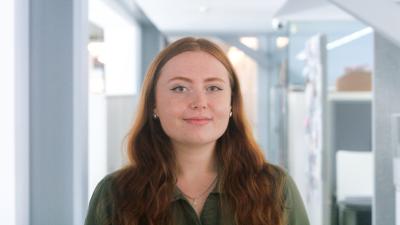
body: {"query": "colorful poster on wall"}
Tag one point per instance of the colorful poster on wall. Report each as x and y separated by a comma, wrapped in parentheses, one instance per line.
(315, 92)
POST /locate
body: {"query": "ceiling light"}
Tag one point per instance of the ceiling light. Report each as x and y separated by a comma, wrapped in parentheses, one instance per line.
(204, 9)
(251, 42)
(301, 56)
(235, 55)
(282, 42)
(293, 29)
(349, 38)
(341, 41)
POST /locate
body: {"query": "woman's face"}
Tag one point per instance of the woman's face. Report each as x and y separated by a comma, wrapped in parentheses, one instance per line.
(193, 98)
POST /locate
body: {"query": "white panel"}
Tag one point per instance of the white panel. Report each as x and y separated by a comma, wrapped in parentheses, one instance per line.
(298, 161)
(97, 157)
(396, 134)
(122, 64)
(396, 161)
(120, 115)
(22, 164)
(354, 171)
(122, 38)
(7, 117)
(80, 36)
(398, 208)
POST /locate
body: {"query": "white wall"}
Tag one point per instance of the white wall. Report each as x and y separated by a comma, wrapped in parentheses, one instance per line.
(110, 119)
(120, 115)
(7, 117)
(122, 47)
(381, 15)
(297, 155)
(22, 89)
(97, 155)
(110, 114)
(14, 114)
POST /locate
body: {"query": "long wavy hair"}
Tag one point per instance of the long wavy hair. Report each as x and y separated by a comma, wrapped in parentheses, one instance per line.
(143, 190)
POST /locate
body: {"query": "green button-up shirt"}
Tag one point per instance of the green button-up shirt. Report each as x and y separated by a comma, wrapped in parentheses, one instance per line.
(185, 214)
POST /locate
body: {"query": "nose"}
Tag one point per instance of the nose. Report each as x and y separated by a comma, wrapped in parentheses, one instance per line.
(199, 100)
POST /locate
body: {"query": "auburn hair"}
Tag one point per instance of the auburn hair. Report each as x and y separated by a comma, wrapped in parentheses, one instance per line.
(143, 190)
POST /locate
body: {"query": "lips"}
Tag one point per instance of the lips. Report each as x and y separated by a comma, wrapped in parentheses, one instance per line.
(198, 120)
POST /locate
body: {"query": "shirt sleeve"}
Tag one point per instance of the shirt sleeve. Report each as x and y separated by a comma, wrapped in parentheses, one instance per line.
(295, 210)
(99, 211)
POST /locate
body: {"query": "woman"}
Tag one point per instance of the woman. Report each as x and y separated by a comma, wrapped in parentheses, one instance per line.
(193, 159)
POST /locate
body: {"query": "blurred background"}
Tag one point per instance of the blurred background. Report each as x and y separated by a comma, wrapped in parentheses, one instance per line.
(320, 79)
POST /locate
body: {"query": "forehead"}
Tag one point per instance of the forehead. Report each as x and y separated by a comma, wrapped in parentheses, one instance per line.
(194, 65)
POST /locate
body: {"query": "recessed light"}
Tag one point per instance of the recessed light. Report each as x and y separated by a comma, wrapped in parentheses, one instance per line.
(204, 9)
(282, 42)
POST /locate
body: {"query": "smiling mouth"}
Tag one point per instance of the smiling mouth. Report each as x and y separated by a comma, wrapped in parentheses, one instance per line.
(198, 121)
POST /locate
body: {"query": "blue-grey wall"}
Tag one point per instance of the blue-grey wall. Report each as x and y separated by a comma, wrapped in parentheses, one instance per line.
(152, 42)
(58, 112)
(386, 102)
(356, 53)
(352, 125)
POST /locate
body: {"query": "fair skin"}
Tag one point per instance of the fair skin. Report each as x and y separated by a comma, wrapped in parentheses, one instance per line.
(193, 102)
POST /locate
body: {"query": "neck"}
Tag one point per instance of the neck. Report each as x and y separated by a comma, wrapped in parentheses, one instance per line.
(194, 161)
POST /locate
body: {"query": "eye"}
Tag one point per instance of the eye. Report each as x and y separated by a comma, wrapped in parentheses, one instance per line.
(214, 88)
(179, 89)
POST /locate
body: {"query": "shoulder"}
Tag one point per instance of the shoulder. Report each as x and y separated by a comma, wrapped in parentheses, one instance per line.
(104, 187)
(294, 209)
(281, 176)
(293, 203)
(275, 174)
(105, 183)
(101, 203)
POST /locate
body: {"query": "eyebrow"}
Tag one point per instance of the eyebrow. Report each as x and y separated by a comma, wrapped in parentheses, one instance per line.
(210, 79)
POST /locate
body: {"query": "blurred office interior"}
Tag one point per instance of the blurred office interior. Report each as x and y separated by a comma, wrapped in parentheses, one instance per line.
(320, 79)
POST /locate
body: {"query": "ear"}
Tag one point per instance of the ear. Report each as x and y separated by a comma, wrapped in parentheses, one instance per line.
(155, 110)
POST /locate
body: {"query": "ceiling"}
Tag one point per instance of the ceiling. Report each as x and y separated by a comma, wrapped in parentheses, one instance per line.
(228, 16)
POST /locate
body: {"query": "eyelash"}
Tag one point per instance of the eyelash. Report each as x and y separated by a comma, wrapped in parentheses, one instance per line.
(215, 87)
(180, 88)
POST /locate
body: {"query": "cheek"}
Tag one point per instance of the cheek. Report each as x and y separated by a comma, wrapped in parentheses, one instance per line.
(221, 114)
(162, 102)
(221, 105)
(168, 107)
(222, 110)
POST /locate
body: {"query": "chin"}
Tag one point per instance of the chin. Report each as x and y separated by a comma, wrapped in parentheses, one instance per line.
(198, 142)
